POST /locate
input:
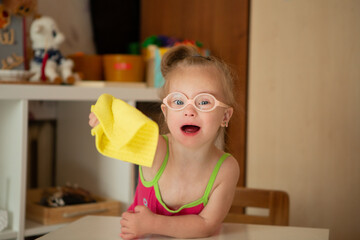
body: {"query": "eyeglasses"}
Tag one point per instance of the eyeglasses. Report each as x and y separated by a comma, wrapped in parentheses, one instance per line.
(203, 102)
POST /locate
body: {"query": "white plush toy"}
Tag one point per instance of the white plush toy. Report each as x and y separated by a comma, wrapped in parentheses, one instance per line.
(48, 64)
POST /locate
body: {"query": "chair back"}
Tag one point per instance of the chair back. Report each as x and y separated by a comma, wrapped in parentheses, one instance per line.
(277, 203)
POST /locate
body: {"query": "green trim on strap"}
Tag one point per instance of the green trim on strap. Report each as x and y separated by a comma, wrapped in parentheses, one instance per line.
(188, 205)
(161, 169)
(213, 177)
(205, 198)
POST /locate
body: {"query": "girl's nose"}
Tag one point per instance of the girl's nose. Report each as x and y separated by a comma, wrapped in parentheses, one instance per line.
(189, 114)
(190, 111)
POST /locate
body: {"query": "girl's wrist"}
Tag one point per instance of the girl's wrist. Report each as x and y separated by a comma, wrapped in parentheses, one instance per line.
(155, 224)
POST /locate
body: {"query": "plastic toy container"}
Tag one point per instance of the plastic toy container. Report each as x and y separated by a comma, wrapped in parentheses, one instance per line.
(123, 68)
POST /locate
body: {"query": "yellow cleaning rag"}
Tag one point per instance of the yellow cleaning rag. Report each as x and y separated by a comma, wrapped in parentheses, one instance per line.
(124, 132)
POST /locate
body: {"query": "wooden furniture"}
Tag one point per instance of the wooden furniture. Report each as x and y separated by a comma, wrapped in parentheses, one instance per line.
(277, 203)
(94, 228)
(223, 27)
(58, 215)
(77, 160)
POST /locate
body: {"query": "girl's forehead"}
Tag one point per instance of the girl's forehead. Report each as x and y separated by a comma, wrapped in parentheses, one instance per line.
(193, 80)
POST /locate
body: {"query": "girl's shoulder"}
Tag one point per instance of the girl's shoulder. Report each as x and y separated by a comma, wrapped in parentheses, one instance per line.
(161, 151)
(229, 171)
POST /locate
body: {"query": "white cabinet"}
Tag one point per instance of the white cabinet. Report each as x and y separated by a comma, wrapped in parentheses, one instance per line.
(77, 160)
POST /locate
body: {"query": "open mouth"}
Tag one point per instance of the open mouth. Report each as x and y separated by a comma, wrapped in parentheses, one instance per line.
(190, 128)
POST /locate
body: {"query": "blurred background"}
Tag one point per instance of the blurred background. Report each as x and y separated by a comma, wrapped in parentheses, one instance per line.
(297, 128)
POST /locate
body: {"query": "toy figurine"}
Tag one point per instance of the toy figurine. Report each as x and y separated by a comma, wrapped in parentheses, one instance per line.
(48, 64)
(20, 7)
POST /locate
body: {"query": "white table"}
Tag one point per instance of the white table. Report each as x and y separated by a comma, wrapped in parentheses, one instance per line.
(108, 228)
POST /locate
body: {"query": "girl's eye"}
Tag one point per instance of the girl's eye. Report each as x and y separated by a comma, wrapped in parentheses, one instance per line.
(204, 102)
(178, 102)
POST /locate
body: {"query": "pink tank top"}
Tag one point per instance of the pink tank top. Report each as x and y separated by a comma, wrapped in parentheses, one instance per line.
(148, 193)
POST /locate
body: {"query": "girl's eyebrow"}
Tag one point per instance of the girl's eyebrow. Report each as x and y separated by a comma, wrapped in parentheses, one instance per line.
(207, 92)
(201, 92)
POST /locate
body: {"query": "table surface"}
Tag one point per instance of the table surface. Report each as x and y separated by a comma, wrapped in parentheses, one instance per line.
(108, 228)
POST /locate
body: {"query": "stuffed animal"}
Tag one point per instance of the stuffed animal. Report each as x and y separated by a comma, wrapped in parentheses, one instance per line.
(20, 7)
(48, 64)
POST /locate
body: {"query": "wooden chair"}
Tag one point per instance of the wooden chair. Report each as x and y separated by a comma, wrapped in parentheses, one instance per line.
(277, 203)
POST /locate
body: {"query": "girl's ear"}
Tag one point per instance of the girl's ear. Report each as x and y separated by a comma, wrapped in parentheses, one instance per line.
(227, 114)
(163, 109)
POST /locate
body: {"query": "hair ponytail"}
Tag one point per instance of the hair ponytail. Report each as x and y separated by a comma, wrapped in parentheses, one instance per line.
(176, 55)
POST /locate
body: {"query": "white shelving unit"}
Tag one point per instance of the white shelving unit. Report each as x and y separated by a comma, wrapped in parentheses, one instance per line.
(77, 160)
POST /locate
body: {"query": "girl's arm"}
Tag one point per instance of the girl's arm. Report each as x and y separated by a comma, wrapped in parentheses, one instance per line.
(143, 221)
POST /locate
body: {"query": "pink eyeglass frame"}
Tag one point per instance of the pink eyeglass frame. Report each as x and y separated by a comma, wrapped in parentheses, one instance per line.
(191, 101)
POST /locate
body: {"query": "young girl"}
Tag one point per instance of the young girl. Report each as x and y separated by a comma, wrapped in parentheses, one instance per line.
(190, 187)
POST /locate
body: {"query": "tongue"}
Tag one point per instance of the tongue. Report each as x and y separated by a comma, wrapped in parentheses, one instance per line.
(190, 129)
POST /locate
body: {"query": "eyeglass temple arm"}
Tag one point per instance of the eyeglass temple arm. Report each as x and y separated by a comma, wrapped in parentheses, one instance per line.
(218, 103)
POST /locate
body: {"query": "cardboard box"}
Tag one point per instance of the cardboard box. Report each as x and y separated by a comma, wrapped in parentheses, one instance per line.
(56, 215)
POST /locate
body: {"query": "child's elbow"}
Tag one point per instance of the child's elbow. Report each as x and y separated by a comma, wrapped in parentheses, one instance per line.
(210, 229)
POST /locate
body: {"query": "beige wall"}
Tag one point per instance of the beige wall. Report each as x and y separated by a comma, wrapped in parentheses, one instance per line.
(73, 20)
(304, 109)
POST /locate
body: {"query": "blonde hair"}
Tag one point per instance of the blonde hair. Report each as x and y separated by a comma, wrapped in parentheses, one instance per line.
(184, 56)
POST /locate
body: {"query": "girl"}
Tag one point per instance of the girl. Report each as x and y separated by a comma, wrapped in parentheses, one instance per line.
(190, 187)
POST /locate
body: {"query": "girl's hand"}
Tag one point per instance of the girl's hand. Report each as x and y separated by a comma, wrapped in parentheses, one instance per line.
(136, 224)
(93, 121)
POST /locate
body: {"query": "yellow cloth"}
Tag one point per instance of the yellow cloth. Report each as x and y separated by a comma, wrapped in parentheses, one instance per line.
(124, 132)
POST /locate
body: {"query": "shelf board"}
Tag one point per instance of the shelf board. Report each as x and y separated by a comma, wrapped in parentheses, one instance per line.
(78, 92)
(8, 234)
(33, 228)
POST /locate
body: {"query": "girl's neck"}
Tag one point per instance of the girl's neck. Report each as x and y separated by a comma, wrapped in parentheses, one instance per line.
(183, 156)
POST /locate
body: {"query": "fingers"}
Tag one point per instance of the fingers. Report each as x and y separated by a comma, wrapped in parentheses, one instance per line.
(127, 236)
(126, 232)
(123, 222)
(126, 215)
(139, 208)
(93, 120)
(91, 115)
(124, 228)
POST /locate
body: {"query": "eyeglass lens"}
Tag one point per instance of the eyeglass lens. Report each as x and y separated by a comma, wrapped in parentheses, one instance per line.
(201, 101)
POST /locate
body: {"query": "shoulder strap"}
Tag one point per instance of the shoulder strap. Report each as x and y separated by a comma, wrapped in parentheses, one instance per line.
(161, 169)
(213, 177)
